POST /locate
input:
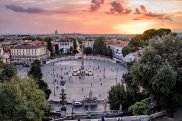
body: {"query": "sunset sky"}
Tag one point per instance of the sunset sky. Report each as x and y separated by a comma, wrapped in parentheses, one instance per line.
(88, 16)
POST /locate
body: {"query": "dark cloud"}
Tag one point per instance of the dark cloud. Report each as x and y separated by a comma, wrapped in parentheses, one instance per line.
(32, 10)
(144, 14)
(140, 10)
(143, 8)
(16, 8)
(117, 8)
(96, 4)
(158, 16)
(137, 11)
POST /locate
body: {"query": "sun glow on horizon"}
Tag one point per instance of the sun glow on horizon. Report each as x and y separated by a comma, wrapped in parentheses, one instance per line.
(134, 27)
(89, 16)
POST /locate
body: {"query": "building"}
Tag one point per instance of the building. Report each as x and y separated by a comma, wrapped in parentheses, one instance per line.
(39, 43)
(64, 46)
(4, 56)
(56, 32)
(88, 44)
(26, 54)
(6, 45)
(118, 56)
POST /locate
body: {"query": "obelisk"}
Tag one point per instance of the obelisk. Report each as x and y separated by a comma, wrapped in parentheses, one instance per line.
(82, 63)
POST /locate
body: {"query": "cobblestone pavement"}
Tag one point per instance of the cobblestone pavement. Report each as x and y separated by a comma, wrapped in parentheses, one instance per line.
(75, 88)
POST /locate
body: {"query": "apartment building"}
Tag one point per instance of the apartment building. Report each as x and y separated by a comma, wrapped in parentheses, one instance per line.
(26, 54)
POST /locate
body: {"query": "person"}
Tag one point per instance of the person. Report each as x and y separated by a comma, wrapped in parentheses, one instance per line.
(103, 119)
(119, 119)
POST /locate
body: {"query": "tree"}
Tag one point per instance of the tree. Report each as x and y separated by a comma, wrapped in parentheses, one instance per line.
(36, 73)
(114, 97)
(158, 72)
(35, 70)
(44, 87)
(56, 49)
(2, 39)
(49, 45)
(110, 52)
(99, 46)
(75, 51)
(120, 95)
(127, 49)
(62, 50)
(142, 40)
(7, 71)
(71, 50)
(21, 100)
(74, 44)
(140, 108)
(88, 50)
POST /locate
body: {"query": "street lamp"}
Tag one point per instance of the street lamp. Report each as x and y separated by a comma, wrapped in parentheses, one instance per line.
(72, 109)
(117, 74)
(54, 81)
(63, 97)
(105, 106)
(104, 70)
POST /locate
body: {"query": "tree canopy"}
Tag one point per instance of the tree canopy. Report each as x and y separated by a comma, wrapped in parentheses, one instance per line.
(101, 48)
(159, 72)
(142, 40)
(56, 49)
(88, 50)
(140, 108)
(21, 99)
(120, 95)
(35, 72)
(49, 45)
(7, 71)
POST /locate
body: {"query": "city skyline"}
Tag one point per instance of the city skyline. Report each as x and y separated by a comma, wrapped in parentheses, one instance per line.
(89, 16)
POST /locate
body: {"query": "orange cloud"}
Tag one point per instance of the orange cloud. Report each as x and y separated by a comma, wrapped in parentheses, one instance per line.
(149, 15)
(96, 4)
(118, 9)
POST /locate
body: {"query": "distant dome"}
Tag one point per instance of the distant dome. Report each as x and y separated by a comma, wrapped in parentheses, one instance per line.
(56, 32)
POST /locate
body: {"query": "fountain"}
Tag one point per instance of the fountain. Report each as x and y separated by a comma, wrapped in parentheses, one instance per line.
(91, 100)
(82, 71)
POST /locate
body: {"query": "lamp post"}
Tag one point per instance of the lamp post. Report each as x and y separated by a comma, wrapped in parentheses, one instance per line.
(63, 97)
(117, 74)
(65, 63)
(104, 70)
(72, 109)
(105, 106)
(54, 81)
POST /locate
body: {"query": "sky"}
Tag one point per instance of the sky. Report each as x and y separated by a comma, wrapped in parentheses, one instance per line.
(89, 16)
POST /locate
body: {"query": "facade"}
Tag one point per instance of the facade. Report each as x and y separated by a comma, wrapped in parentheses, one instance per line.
(118, 56)
(26, 54)
(64, 46)
(4, 56)
(116, 42)
(88, 44)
